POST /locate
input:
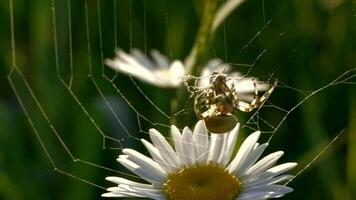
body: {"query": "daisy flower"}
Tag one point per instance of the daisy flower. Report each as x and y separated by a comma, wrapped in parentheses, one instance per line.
(158, 71)
(161, 72)
(200, 166)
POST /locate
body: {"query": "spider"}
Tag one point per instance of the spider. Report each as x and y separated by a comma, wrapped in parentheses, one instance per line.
(216, 103)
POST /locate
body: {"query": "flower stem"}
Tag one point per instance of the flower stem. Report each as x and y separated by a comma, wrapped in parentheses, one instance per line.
(195, 59)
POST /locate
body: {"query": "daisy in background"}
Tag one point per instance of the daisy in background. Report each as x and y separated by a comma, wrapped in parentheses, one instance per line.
(162, 72)
(158, 71)
(200, 166)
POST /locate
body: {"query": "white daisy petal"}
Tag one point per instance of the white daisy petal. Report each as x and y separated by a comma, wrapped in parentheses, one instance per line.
(217, 141)
(279, 169)
(232, 136)
(143, 173)
(259, 195)
(162, 72)
(252, 158)
(177, 141)
(260, 177)
(127, 194)
(123, 156)
(268, 188)
(161, 60)
(110, 194)
(112, 189)
(145, 162)
(158, 71)
(201, 138)
(151, 193)
(176, 72)
(135, 71)
(188, 147)
(163, 147)
(155, 154)
(270, 181)
(275, 171)
(225, 143)
(122, 192)
(119, 180)
(245, 149)
(130, 61)
(132, 191)
(264, 163)
(247, 85)
(142, 59)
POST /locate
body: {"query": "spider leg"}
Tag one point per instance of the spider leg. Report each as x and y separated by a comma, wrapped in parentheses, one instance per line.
(265, 96)
(256, 102)
(248, 107)
(244, 107)
(255, 96)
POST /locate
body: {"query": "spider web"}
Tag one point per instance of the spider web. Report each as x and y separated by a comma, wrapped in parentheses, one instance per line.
(118, 117)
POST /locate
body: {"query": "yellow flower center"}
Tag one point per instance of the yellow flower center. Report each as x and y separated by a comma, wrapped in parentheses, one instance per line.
(202, 182)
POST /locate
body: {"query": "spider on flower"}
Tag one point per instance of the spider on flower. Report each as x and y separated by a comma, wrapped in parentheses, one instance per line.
(217, 102)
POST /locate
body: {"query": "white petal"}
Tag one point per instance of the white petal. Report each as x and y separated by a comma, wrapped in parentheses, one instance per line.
(259, 195)
(133, 63)
(201, 139)
(264, 163)
(155, 154)
(158, 71)
(230, 145)
(275, 171)
(119, 192)
(268, 188)
(241, 156)
(176, 72)
(246, 85)
(142, 172)
(145, 162)
(252, 158)
(113, 189)
(225, 142)
(110, 194)
(177, 141)
(161, 60)
(119, 180)
(163, 147)
(123, 156)
(130, 60)
(143, 59)
(122, 193)
(271, 181)
(279, 169)
(188, 147)
(136, 192)
(217, 141)
(138, 72)
(148, 192)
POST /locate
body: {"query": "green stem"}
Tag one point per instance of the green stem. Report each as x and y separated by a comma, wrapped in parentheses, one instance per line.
(195, 59)
(174, 107)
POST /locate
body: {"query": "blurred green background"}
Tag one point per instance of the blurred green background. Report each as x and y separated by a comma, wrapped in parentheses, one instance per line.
(309, 43)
